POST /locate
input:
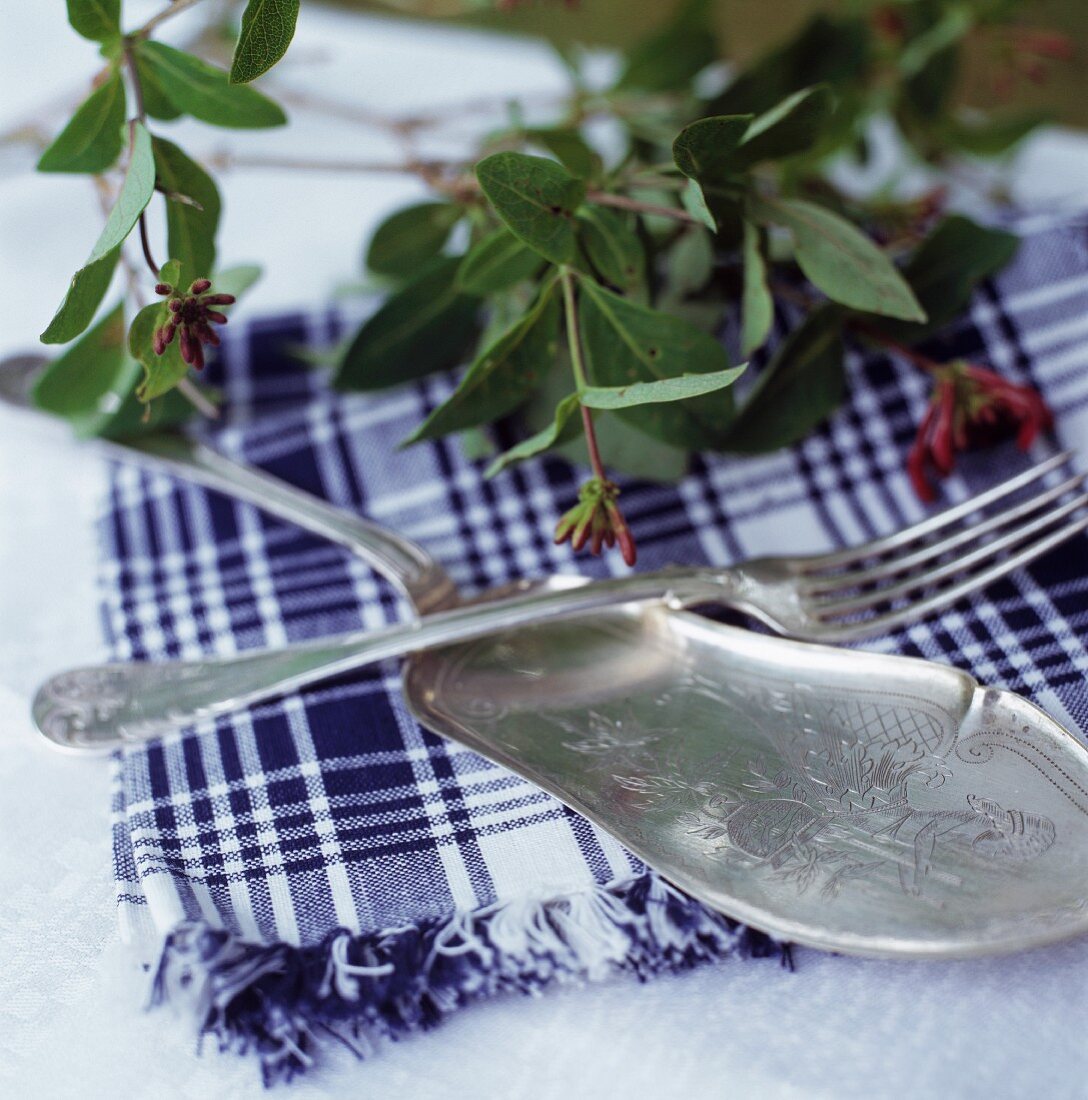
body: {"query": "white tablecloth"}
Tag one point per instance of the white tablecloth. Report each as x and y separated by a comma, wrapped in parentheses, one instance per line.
(71, 996)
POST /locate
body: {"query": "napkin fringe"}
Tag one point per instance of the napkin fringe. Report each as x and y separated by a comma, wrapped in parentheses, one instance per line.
(280, 1001)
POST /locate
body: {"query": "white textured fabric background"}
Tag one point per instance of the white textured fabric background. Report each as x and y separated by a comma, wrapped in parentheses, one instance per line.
(71, 1019)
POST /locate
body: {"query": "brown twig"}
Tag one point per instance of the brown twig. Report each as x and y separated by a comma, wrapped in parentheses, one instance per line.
(624, 202)
(431, 171)
(224, 160)
(157, 20)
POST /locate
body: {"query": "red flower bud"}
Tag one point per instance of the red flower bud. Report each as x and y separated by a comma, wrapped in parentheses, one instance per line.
(205, 334)
(200, 286)
(188, 345)
(597, 520)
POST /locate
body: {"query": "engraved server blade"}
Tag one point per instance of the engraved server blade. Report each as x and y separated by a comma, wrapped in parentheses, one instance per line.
(862, 803)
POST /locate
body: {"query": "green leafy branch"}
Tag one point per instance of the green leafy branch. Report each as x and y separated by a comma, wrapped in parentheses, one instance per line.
(585, 288)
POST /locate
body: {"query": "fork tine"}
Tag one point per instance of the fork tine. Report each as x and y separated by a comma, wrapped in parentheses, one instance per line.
(845, 632)
(929, 577)
(838, 582)
(854, 554)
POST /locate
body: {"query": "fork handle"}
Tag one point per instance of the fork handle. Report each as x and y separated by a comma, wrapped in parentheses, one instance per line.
(398, 559)
(102, 707)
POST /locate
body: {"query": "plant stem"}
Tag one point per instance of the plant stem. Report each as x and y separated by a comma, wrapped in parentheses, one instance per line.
(195, 398)
(574, 342)
(141, 115)
(923, 362)
(145, 247)
(225, 160)
(176, 7)
(623, 202)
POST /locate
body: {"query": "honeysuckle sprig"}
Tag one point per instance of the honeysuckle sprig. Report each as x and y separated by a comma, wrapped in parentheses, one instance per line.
(582, 285)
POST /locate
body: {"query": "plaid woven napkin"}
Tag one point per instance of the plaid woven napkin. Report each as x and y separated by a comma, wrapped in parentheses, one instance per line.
(323, 863)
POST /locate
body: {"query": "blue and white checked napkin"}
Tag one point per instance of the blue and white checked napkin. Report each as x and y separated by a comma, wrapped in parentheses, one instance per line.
(324, 863)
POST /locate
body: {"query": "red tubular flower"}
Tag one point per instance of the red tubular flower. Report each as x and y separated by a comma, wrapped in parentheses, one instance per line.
(191, 318)
(597, 519)
(971, 407)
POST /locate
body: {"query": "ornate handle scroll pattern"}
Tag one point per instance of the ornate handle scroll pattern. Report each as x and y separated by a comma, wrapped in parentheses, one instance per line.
(79, 700)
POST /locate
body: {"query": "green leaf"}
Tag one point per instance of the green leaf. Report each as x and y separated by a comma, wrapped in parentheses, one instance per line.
(628, 451)
(944, 271)
(801, 386)
(836, 50)
(695, 204)
(203, 91)
(190, 229)
(161, 372)
(569, 148)
(503, 375)
(424, 327)
(156, 102)
(945, 33)
(670, 59)
(92, 385)
(757, 305)
(625, 343)
(792, 127)
(536, 198)
(135, 194)
(98, 20)
(89, 284)
(235, 280)
(135, 418)
(690, 263)
(267, 29)
(92, 140)
(558, 431)
(613, 247)
(411, 237)
(75, 385)
(85, 293)
(990, 137)
(170, 273)
(706, 149)
(653, 393)
(840, 259)
(496, 263)
(926, 95)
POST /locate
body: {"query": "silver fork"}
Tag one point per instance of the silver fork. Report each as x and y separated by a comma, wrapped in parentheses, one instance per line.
(840, 596)
(867, 590)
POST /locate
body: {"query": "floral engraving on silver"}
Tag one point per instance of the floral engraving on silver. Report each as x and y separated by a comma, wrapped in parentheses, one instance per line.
(861, 802)
(836, 768)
